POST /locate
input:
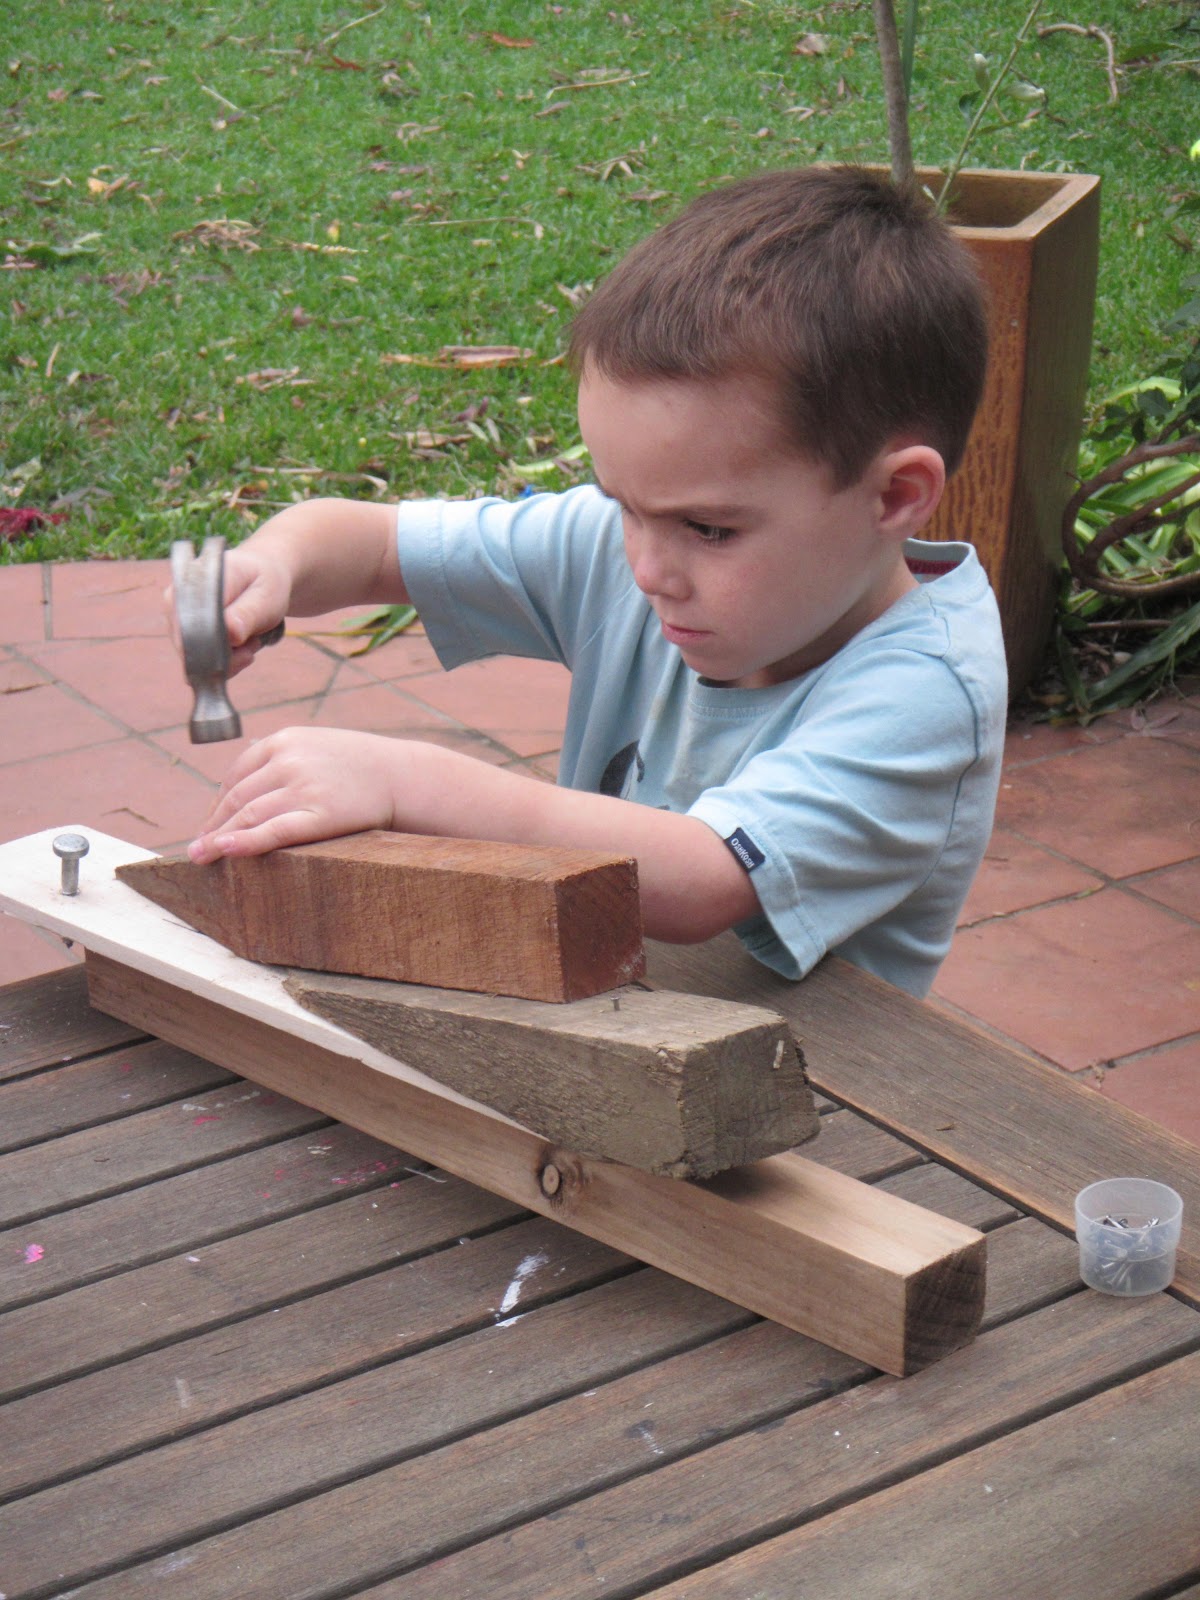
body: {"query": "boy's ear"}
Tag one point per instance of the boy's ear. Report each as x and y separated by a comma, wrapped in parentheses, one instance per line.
(912, 478)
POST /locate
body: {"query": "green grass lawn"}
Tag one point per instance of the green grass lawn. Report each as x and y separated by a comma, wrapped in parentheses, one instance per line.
(235, 232)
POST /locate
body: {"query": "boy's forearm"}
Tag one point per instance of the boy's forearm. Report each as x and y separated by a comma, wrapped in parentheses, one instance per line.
(337, 553)
(691, 885)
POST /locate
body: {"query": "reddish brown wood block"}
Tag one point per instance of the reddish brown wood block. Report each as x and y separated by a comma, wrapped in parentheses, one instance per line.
(541, 923)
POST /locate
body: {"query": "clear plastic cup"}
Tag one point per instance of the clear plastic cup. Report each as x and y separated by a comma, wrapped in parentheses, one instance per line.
(1128, 1232)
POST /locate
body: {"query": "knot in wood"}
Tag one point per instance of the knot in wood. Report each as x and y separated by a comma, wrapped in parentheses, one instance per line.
(550, 1179)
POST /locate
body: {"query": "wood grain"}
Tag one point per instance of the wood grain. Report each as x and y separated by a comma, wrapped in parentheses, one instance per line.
(284, 1365)
(1034, 238)
(100, 1161)
(612, 1369)
(859, 1269)
(106, 1087)
(674, 1084)
(48, 1019)
(1066, 1482)
(680, 1510)
(88, 1242)
(540, 922)
(1016, 1125)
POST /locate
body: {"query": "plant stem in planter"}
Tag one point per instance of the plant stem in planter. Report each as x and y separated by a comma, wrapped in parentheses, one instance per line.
(895, 91)
(984, 105)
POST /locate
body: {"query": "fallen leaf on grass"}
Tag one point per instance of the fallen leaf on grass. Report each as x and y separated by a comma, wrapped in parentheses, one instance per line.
(408, 131)
(246, 491)
(222, 233)
(812, 44)
(473, 412)
(105, 191)
(342, 65)
(646, 196)
(18, 522)
(127, 286)
(588, 79)
(511, 44)
(27, 254)
(463, 355)
(321, 249)
(275, 378)
(426, 439)
(565, 461)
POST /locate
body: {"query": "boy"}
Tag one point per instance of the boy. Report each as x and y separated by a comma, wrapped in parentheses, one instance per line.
(787, 711)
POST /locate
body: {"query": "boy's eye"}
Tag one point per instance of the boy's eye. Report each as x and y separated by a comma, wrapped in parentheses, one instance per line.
(710, 532)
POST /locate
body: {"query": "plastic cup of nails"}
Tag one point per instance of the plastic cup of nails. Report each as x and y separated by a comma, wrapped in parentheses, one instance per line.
(1128, 1232)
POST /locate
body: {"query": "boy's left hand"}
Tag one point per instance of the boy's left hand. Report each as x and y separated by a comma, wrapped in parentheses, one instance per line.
(303, 784)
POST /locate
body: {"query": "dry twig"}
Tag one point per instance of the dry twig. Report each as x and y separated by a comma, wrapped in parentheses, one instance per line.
(1090, 32)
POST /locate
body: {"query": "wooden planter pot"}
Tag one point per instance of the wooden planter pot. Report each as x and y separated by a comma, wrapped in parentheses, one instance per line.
(1035, 237)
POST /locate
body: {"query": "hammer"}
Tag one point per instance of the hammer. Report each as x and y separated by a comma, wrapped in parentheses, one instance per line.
(199, 583)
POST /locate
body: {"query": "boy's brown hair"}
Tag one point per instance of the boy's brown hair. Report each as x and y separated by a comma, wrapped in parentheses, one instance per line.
(846, 291)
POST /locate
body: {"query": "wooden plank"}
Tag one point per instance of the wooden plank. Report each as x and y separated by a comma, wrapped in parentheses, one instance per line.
(1098, 1503)
(54, 1432)
(229, 1279)
(678, 1514)
(675, 1084)
(102, 1089)
(658, 1453)
(219, 1200)
(856, 1268)
(368, 1421)
(307, 1345)
(102, 1160)
(404, 1408)
(851, 1144)
(1016, 1125)
(909, 1286)
(47, 1019)
(541, 922)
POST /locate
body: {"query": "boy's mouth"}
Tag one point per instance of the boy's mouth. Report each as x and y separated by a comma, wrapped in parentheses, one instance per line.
(681, 636)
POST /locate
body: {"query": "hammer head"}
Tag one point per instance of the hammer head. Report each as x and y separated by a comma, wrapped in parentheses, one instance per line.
(199, 583)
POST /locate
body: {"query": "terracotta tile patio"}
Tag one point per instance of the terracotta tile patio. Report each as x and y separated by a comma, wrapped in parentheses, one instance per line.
(1080, 941)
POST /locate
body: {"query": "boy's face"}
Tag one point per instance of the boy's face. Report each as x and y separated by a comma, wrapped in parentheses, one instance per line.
(757, 568)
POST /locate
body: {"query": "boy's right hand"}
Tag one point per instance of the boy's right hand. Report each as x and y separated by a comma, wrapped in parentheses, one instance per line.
(257, 597)
(258, 592)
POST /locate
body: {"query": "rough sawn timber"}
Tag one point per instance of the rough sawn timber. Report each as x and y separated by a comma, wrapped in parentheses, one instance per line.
(675, 1084)
(541, 922)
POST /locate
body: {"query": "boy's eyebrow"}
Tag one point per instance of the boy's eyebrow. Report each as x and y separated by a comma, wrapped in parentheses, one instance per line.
(696, 510)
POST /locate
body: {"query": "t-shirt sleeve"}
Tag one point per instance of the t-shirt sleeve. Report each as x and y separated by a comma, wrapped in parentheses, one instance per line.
(497, 577)
(852, 812)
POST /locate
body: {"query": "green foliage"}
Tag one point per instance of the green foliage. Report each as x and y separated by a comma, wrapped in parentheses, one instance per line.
(1157, 498)
(217, 221)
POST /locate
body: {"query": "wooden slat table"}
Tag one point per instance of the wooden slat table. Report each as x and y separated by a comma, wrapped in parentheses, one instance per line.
(250, 1352)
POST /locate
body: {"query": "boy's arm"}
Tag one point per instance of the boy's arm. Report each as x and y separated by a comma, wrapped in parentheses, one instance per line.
(312, 783)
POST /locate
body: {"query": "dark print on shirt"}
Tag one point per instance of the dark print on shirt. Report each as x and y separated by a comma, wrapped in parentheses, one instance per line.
(614, 780)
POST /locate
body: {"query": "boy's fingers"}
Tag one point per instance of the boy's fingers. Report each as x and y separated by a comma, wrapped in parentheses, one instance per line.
(232, 839)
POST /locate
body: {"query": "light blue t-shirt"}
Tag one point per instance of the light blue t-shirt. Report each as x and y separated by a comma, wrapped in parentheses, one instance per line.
(859, 795)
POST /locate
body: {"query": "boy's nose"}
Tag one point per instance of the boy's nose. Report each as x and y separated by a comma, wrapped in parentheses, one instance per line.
(655, 567)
